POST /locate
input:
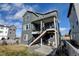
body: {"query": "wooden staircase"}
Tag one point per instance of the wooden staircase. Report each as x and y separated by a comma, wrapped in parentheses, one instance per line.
(40, 36)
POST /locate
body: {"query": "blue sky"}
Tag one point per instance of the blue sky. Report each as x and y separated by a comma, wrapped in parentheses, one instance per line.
(11, 14)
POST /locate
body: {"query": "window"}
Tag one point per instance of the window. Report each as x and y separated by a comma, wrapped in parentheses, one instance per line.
(77, 22)
(8, 38)
(13, 29)
(28, 26)
(73, 26)
(10, 32)
(28, 17)
(1, 31)
(25, 37)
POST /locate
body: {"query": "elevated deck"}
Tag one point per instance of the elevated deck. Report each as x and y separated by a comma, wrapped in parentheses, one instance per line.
(47, 30)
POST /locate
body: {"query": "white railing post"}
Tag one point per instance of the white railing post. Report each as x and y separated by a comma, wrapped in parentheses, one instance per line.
(41, 26)
(55, 32)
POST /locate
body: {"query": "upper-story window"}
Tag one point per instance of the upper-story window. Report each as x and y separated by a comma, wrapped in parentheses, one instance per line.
(13, 29)
(28, 17)
(28, 26)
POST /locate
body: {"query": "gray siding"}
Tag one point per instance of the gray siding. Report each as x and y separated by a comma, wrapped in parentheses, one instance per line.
(33, 18)
(73, 22)
(12, 32)
(26, 31)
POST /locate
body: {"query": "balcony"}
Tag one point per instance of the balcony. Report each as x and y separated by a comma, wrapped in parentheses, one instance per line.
(36, 32)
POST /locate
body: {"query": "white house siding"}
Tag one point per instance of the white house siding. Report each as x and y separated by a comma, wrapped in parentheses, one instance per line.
(4, 33)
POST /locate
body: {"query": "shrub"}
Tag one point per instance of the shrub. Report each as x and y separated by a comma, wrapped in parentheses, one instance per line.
(16, 50)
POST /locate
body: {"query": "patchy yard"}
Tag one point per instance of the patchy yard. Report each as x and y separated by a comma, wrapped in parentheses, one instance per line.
(16, 50)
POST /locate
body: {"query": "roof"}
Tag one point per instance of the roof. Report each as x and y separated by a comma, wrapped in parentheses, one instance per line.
(4, 26)
(70, 7)
(35, 13)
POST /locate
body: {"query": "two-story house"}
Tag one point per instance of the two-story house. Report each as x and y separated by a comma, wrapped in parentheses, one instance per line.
(40, 28)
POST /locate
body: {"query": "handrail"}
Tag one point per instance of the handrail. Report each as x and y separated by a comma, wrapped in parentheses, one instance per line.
(40, 35)
(30, 40)
(74, 50)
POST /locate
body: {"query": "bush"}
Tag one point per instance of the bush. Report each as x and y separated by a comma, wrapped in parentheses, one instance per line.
(17, 42)
(4, 41)
(16, 50)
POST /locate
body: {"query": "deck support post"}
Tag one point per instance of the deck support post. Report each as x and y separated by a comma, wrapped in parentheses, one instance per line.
(55, 45)
(41, 27)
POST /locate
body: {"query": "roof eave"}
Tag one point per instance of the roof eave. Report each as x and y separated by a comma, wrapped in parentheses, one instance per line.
(69, 11)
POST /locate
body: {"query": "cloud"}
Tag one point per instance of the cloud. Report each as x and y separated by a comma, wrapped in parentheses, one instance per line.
(9, 17)
(18, 25)
(64, 30)
(2, 21)
(18, 4)
(0, 16)
(19, 14)
(5, 7)
(14, 14)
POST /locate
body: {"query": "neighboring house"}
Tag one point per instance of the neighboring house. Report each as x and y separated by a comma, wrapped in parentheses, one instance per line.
(73, 15)
(66, 37)
(40, 28)
(4, 31)
(7, 32)
(18, 39)
(12, 32)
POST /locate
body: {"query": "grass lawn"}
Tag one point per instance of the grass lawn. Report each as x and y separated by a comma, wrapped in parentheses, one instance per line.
(16, 50)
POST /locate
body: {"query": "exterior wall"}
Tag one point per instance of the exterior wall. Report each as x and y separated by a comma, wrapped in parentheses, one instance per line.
(27, 33)
(58, 31)
(3, 32)
(44, 16)
(76, 5)
(73, 22)
(12, 32)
